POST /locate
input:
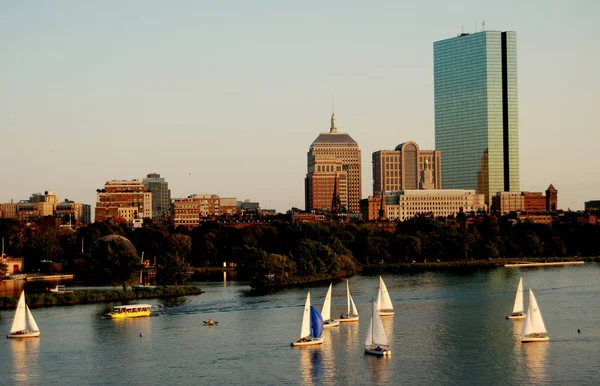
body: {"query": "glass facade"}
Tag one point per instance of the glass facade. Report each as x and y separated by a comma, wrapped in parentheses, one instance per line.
(476, 116)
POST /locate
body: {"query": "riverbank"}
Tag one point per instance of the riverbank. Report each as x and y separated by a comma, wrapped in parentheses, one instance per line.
(467, 265)
(35, 300)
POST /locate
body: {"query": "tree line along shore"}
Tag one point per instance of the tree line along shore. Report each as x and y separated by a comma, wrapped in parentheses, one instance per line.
(49, 299)
(284, 252)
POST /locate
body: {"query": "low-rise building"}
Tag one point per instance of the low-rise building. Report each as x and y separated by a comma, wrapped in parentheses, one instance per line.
(406, 204)
(228, 206)
(591, 206)
(123, 194)
(188, 211)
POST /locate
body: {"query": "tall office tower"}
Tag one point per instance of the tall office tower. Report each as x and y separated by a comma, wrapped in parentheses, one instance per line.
(333, 178)
(476, 117)
(161, 195)
(406, 168)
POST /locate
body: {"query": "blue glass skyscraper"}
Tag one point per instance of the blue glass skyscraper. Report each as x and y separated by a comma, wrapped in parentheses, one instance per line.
(476, 111)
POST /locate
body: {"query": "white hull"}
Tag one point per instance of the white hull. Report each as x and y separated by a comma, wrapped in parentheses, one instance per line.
(34, 334)
(515, 317)
(331, 323)
(310, 342)
(372, 350)
(386, 312)
(348, 319)
(529, 339)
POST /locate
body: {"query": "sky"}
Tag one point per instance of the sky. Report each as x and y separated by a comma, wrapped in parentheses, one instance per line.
(226, 97)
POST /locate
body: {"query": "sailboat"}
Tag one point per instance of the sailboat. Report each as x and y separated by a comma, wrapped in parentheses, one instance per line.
(352, 314)
(534, 329)
(312, 326)
(23, 326)
(326, 311)
(517, 312)
(384, 302)
(376, 342)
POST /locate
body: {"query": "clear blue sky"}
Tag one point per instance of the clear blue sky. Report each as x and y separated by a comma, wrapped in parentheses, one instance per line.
(226, 97)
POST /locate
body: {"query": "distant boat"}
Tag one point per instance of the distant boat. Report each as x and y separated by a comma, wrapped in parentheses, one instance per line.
(142, 287)
(351, 314)
(376, 342)
(312, 326)
(326, 311)
(384, 302)
(517, 312)
(534, 329)
(61, 289)
(24, 325)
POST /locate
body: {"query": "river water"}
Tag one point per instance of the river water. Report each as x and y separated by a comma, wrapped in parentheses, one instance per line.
(448, 329)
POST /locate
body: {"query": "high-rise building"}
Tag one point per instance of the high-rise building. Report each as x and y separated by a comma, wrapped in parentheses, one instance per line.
(161, 195)
(476, 116)
(123, 197)
(406, 168)
(333, 178)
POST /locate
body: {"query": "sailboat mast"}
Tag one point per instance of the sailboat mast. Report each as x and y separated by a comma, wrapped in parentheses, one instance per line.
(142, 268)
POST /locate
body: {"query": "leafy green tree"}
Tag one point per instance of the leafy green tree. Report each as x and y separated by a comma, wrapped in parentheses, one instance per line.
(118, 260)
(173, 269)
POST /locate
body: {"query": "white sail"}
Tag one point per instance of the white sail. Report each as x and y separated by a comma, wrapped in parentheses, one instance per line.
(354, 310)
(379, 337)
(20, 322)
(32, 325)
(384, 300)
(369, 338)
(379, 299)
(348, 296)
(326, 311)
(305, 331)
(518, 307)
(534, 324)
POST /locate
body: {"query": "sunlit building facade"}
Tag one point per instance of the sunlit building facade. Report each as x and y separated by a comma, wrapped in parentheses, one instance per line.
(333, 178)
(406, 167)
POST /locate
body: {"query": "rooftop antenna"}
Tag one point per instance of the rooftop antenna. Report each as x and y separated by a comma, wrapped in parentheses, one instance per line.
(333, 102)
(483, 25)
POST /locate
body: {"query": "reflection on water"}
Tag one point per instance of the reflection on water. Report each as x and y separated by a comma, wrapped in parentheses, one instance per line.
(11, 287)
(311, 365)
(536, 362)
(378, 368)
(24, 357)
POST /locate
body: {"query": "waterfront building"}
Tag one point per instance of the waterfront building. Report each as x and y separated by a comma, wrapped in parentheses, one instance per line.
(406, 168)
(188, 211)
(123, 194)
(534, 202)
(592, 206)
(161, 195)
(333, 178)
(371, 208)
(73, 213)
(406, 204)
(529, 202)
(8, 210)
(551, 199)
(476, 111)
(228, 206)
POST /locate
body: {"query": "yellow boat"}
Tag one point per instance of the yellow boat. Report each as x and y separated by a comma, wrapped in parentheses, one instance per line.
(130, 311)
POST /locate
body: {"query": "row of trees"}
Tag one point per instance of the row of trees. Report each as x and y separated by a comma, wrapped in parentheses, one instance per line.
(286, 248)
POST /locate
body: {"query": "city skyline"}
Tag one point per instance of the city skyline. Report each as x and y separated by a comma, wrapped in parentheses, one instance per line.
(95, 92)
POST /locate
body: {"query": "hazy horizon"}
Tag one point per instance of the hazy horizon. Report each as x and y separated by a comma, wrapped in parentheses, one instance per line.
(227, 97)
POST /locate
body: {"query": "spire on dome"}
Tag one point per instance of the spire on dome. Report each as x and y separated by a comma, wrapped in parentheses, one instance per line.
(333, 128)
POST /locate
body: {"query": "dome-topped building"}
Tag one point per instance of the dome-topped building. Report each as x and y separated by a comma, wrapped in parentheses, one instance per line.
(333, 178)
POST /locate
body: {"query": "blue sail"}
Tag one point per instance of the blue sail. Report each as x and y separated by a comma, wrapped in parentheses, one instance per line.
(316, 322)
